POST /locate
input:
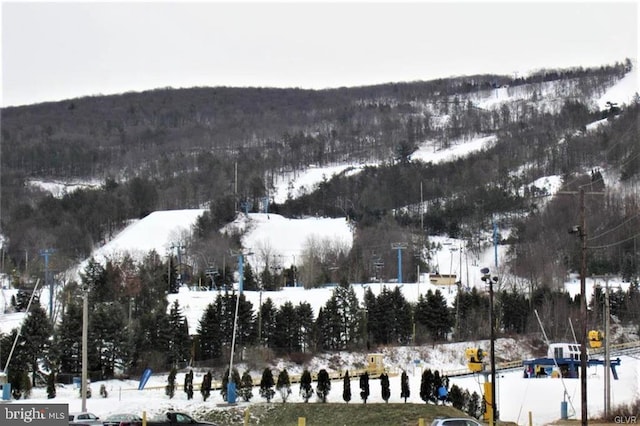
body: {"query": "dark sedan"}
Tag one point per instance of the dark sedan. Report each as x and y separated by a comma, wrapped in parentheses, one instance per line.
(123, 420)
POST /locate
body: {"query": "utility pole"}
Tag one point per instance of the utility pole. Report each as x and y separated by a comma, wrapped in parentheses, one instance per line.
(399, 247)
(583, 310)
(581, 230)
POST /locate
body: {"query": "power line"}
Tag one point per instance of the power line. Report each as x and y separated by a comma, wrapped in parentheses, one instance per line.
(613, 229)
(617, 243)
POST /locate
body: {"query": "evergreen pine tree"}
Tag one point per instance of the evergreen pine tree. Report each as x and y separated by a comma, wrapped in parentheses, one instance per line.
(51, 385)
(68, 339)
(306, 390)
(435, 387)
(284, 385)
(405, 391)
(438, 318)
(381, 321)
(249, 281)
(246, 386)
(103, 391)
(247, 327)
(205, 388)
(286, 336)
(402, 323)
(179, 340)
(266, 385)
(20, 383)
(209, 334)
(108, 338)
(226, 306)
(474, 408)
(371, 317)
(384, 383)
(170, 389)
(188, 384)
(34, 339)
(304, 315)
(346, 387)
(268, 323)
(456, 396)
(364, 387)
(324, 385)
(426, 384)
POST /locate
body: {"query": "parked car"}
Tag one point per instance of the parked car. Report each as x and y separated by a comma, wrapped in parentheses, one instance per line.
(125, 419)
(455, 421)
(174, 418)
(84, 418)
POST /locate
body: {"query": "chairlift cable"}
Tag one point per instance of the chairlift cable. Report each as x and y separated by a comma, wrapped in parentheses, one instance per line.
(555, 362)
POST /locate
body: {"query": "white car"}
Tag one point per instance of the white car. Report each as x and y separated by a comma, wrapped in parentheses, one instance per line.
(84, 418)
(455, 421)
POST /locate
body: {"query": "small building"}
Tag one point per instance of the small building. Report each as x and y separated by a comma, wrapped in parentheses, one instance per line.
(443, 279)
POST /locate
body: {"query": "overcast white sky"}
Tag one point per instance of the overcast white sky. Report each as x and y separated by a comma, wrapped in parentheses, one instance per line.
(60, 50)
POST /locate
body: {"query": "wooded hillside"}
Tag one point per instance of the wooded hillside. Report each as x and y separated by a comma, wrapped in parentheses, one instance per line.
(167, 149)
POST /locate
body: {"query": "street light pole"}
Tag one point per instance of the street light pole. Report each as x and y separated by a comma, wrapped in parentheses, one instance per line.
(487, 278)
(494, 411)
(85, 326)
(231, 386)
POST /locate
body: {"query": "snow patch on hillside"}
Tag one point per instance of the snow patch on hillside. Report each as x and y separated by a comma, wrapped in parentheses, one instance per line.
(429, 153)
(61, 188)
(623, 91)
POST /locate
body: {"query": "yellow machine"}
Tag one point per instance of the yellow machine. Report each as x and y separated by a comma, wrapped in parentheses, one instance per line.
(595, 338)
(474, 359)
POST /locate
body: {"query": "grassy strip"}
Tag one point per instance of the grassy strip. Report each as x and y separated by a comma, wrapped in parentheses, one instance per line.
(317, 414)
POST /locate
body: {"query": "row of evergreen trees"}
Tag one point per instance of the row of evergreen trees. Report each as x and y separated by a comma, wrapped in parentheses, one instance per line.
(433, 387)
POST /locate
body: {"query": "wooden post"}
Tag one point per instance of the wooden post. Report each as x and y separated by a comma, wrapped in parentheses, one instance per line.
(302, 421)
